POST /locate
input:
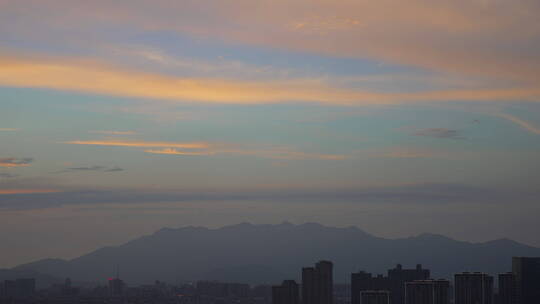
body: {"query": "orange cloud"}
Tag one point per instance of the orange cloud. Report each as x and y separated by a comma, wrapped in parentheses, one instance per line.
(8, 129)
(205, 149)
(98, 78)
(469, 37)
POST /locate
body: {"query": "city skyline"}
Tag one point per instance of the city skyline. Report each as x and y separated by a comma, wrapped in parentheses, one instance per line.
(120, 118)
(401, 286)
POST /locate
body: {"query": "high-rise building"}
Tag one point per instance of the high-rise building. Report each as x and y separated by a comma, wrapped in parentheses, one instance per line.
(507, 289)
(375, 297)
(399, 276)
(394, 282)
(473, 288)
(10, 289)
(317, 283)
(286, 293)
(427, 292)
(526, 271)
(363, 281)
(25, 287)
(116, 287)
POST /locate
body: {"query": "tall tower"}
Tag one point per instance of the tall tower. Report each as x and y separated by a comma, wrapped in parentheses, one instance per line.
(507, 288)
(317, 283)
(527, 278)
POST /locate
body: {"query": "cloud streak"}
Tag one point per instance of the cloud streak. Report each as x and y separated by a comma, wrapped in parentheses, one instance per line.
(491, 38)
(438, 133)
(94, 168)
(113, 132)
(11, 162)
(208, 149)
(98, 78)
(141, 144)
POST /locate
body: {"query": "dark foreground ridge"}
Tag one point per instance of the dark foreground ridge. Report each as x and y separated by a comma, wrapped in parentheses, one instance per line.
(259, 254)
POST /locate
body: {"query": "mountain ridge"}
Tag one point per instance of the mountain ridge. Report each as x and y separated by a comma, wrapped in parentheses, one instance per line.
(269, 253)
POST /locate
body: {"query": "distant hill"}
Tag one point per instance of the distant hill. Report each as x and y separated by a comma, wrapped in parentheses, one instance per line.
(270, 253)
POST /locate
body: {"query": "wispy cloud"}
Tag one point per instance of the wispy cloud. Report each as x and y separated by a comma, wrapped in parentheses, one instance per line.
(520, 122)
(8, 175)
(405, 152)
(281, 153)
(501, 36)
(94, 168)
(171, 151)
(8, 129)
(113, 132)
(413, 194)
(12, 162)
(206, 149)
(80, 75)
(141, 144)
(438, 133)
(27, 191)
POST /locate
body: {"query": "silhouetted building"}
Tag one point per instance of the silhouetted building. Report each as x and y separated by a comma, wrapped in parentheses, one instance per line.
(399, 276)
(507, 289)
(317, 283)
(394, 282)
(473, 288)
(363, 281)
(427, 292)
(375, 297)
(25, 287)
(116, 287)
(286, 293)
(10, 289)
(527, 279)
(19, 288)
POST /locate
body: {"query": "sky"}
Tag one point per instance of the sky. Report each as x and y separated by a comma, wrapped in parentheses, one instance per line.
(118, 118)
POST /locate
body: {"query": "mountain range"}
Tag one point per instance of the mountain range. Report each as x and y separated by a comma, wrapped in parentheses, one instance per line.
(271, 253)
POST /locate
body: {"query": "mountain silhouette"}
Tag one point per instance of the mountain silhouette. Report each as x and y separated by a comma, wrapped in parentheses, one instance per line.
(270, 253)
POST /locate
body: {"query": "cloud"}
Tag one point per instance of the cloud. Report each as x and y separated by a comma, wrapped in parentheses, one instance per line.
(387, 194)
(94, 168)
(282, 153)
(170, 151)
(91, 169)
(80, 75)
(12, 162)
(140, 144)
(522, 123)
(26, 191)
(402, 152)
(206, 149)
(491, 38)
(113, 132)
(438, 133)
(8, 175)
(8, 129)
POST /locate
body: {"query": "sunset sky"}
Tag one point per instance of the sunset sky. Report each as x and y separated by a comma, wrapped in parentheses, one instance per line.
(118, 118)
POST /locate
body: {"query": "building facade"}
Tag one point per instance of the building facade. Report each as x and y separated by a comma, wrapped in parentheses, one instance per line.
(473, 288)
(427, 292)
(527, 279)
